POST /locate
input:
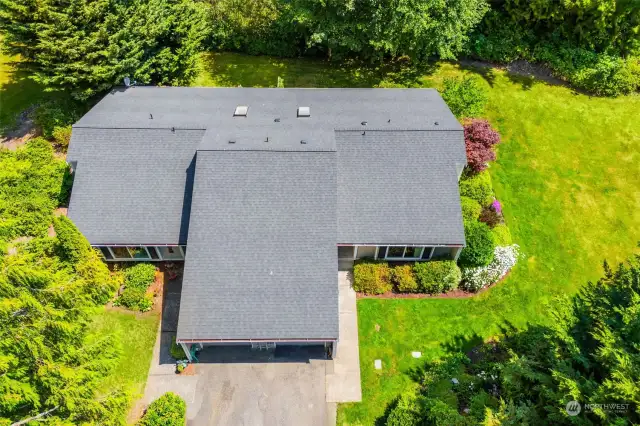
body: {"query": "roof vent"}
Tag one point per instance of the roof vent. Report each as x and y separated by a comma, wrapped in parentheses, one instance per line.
(241, 111)
(303, 142)
(277, 120)
(304, 112)
(436, 123)
(232, 141)
(364, 123)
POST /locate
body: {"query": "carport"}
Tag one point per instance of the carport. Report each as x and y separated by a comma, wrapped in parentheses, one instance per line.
(260, 270)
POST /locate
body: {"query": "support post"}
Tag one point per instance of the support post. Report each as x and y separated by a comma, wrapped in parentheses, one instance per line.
(334, 351)
(458, 251)
(187, 351)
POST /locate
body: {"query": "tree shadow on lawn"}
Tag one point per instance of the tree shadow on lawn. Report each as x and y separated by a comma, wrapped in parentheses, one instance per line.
(470, 345)
(17, 93)
(232, 70)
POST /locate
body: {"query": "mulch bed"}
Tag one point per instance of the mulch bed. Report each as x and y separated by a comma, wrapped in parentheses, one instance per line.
(453, 294)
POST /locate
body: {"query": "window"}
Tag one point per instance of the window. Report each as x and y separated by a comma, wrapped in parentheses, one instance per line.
(120, 253)
(138, 252)
(395, 252)
(402, 252)
(153, 253)
(106, 253)
(241, 111)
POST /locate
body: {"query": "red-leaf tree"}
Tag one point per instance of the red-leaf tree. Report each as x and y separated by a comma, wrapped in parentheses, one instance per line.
(479, 138)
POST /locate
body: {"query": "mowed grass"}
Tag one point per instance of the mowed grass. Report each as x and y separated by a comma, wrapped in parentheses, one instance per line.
(17, 92)
(134, 334)
(567, 174)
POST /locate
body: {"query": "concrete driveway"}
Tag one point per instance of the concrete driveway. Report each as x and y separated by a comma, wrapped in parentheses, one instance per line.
(235, 386)
(247, 394)
(259, 394)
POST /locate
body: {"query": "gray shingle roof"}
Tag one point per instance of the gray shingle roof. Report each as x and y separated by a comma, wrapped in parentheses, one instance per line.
(132, 185)
(267, 211)
(262, 259)
(399, 187)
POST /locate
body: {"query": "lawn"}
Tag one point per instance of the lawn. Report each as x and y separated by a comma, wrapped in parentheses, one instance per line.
(567, 174)
(135, 335)
(17, 92)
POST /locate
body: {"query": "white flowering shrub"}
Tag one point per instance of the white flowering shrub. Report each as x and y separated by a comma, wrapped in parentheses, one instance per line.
(474, 279)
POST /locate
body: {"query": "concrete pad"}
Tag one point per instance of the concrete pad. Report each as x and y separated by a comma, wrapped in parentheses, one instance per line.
(343, 380)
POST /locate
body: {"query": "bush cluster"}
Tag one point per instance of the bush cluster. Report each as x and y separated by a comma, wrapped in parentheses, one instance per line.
(480, 245)
(372, 277)
(504, 258)
(168, 410)
(470, 209)
(606, 74)
(433, 277)
(403, 278)
(464, 96)
(55, 116)
(137, 279)
(477, 186)
(438, 276)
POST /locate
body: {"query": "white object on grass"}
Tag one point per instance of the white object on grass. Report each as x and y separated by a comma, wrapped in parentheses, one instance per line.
(378, 364)
(416, 354)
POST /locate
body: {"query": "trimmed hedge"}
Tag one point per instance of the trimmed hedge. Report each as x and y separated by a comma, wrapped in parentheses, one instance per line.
(438, 276)
(477, 186)
(140, 275)
(168, 410)
(480, 245)
(470, 209)
(403, 278)
(137, 279)
(372, 277)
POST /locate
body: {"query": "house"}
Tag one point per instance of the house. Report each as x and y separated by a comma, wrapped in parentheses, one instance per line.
(262, 191)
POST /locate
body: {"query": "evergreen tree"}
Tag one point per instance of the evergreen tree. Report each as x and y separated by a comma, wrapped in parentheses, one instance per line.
(88, 46)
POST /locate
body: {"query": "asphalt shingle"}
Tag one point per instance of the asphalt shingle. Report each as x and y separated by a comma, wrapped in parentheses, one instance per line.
(262, 259)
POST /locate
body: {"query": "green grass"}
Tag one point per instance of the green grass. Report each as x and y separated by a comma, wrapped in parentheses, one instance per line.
(567, 174)
(17, 92)
(135, 335)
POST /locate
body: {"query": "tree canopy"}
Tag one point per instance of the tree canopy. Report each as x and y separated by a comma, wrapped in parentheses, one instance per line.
(48, 288)
(589, 353)
(86, 47)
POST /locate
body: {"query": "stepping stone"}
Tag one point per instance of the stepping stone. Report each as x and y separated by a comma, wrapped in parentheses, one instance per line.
(378, 364)
(416, 354)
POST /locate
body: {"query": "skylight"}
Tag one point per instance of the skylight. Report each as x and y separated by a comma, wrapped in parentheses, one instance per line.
(304, 112)
(241, 111)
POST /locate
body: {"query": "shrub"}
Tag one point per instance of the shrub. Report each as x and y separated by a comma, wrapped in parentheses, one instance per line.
(62, 136)
(490, 216)
(131, 298)
(464, 96)
(72, 245)
(176, 350)
(480, 138)
(502, 235)
(56, 113)
(406, 411)
(371, 277)
(480, 245)
(474, 279)
(477, 186)
(402, 277)
(438, 276)
(140, 275)
(168, 410)
(470, 209)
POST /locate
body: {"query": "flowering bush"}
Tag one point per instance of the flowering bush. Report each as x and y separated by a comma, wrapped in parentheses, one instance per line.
(504, 258)
(497, 206)
(479, 139)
